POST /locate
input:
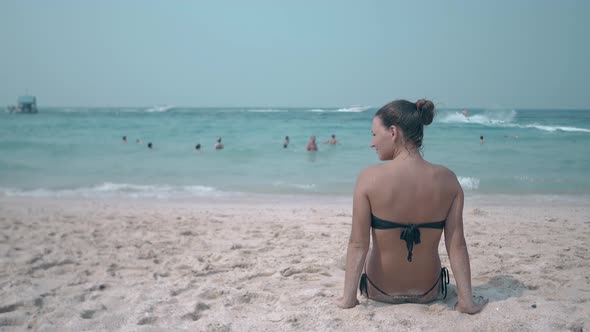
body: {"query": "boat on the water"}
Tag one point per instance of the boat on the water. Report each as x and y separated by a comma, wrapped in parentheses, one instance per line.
(24, 104)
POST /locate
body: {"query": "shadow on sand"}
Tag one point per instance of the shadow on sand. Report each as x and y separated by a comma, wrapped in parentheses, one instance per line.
(498, 288)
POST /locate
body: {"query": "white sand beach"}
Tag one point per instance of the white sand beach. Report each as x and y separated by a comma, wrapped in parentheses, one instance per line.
(272, 265)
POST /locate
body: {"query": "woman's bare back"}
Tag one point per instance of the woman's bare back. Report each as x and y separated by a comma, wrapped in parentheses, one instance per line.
(409, 191)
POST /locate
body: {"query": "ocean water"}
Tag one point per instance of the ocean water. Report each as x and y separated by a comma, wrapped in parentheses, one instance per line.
(78, 152)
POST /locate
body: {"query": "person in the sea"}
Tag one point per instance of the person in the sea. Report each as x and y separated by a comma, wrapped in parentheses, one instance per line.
(286, 142)
(480, 139)
(150, 145)
(406, 204)
(311, 145)
(218, 145)
(124, 139)
(332, 140)
(198, 147)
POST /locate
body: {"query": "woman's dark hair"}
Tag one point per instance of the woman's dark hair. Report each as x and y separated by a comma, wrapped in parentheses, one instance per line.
(198, 146)
(409, 117)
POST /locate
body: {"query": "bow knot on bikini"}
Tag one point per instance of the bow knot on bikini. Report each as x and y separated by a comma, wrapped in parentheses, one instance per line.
(410, 234)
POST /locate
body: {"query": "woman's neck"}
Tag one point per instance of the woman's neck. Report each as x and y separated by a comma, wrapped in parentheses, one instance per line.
(408, 153)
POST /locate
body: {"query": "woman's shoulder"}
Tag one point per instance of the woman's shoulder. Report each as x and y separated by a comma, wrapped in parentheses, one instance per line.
(369, 174)
(445, 175)
(442, 170)
(371, 171)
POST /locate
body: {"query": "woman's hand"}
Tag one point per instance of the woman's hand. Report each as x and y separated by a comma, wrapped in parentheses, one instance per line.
(341, 303)
(474, 307)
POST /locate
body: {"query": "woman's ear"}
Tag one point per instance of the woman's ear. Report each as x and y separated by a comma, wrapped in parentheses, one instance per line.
(393, 131)
(396, 134)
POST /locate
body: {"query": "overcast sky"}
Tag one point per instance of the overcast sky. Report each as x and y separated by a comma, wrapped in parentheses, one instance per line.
(491, 54)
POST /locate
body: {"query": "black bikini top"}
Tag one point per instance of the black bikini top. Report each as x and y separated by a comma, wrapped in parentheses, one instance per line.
(410, 232)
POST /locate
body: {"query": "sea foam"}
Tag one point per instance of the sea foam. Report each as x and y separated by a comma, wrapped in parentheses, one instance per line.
(108, 189)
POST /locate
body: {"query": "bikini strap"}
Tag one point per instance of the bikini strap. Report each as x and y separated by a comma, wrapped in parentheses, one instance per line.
(377, 288)
(410, 234)
(363, 285)
(445, 279)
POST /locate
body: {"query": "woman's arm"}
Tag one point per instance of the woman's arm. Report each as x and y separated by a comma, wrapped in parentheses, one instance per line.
(358, 243)
(459, 257)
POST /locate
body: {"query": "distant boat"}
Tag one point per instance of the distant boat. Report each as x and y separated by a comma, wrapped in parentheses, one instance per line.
(160, 108)
(24, 104)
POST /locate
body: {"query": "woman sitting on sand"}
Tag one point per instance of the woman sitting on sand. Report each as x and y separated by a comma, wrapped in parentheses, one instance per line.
(406, 203)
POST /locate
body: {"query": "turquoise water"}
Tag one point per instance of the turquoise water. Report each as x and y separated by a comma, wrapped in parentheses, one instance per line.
(79, 152)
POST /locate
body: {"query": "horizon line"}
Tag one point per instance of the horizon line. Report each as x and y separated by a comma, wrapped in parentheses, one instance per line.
(317, 107)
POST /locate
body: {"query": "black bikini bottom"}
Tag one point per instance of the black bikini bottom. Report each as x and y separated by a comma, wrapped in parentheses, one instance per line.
(444, 281)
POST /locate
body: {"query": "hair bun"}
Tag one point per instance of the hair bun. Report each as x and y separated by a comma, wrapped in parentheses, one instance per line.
(425, 110)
